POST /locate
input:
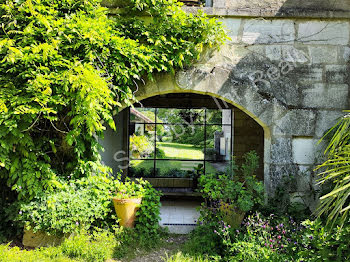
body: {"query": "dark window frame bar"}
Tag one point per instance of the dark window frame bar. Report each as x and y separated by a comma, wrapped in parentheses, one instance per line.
(155, 159)
(173, 124)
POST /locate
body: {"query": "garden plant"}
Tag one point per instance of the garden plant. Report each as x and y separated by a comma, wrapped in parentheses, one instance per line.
(66, 68)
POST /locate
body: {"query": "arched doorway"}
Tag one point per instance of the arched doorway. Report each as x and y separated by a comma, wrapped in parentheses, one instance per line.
(164, 135)
(167, 138)
(181, 131)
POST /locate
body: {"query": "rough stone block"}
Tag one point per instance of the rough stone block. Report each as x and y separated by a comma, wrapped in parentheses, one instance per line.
(295, 55)
(326, 33)
(219, 3)
(304, 150)
(338, 95)
(325, 120)
(298, 122)
(257, 50)
(285, 91)
(324, 54)
(297, 198)
(336, 74)
(319, 96)
(344, 53)
(314, 95)
(273, 52)
(307, 74)
(268, 31)
(151, 87)
(232, 27)
(272, 112)
(277, 171)
(281, 150)
(303, 181)
(229, 53)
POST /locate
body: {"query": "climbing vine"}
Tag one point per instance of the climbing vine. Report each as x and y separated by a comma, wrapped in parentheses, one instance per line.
(66, 65)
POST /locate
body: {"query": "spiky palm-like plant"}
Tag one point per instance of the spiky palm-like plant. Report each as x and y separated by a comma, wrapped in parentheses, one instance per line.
(336, 169)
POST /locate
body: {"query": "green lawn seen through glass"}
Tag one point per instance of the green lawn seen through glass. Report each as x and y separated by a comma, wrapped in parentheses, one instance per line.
(175, 151)
(181, 151)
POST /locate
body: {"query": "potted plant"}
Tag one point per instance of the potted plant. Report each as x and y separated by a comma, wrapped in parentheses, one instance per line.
(127, 201)
(235, 192)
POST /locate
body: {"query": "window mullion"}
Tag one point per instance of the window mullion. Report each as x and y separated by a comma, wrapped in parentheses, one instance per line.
(155, 143)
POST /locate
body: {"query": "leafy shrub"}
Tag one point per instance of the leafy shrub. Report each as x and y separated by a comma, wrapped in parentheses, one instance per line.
(210, 153)
(239, 189)
(336, 170)
(175, 172)
(167, 139)
(80, 204)
(253, 252)
(148, 216)
(159, 153)
(129, 188)
(141, 146)
(281, 234)
(136, 172)
(322, 243)
(154, 172)
(66, 66)
(281, 203)
(282, 238)
(87, 202)
(204, 241)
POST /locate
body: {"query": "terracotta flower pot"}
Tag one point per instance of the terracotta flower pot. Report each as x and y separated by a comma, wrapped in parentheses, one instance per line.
(126, 210)
(232, 215)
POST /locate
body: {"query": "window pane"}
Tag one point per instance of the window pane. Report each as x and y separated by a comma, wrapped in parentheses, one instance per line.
(180, 116)
(141, 140)
(141, 168)
(217, 116)
(142, 115)
(170, 168)
(218, 144)
(180, 142)
(217, 167)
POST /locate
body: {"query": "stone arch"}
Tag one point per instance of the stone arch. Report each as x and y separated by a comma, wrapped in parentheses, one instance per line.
(266, 112)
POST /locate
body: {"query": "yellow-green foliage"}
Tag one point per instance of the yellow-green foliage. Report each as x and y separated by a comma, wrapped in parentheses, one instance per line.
(141, 146)
(65, 66)
(180, 257)
(98, 246)
(336, 170)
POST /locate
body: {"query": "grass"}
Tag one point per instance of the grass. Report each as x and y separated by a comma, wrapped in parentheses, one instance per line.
(104, 247)
(181, 151)
(180, 257)
(97, 246)
(175, 151)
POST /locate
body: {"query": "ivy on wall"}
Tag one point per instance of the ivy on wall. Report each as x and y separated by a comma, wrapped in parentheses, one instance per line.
(65, 66)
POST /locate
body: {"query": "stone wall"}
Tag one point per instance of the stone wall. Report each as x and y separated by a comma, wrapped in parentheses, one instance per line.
(278, 8)
(288, 71)
(291, 74)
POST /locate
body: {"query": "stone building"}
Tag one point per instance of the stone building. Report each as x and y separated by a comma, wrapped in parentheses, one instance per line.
(284, 74)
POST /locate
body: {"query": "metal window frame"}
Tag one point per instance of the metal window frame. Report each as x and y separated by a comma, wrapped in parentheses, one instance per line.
(155, 159)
